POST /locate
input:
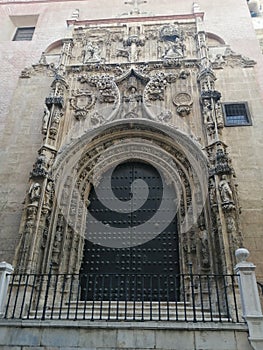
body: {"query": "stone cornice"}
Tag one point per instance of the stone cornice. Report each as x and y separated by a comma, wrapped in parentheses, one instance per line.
(135, 19)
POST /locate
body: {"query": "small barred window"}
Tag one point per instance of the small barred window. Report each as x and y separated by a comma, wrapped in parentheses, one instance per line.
(24, 33)
(236, 114)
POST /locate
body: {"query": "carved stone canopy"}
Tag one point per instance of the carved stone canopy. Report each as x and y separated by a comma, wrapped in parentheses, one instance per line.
(170, 32)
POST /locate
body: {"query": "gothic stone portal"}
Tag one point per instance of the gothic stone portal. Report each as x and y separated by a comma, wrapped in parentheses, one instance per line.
(137, 271)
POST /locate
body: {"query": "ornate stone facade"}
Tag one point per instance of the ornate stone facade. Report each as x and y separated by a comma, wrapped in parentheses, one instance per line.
(145, 91)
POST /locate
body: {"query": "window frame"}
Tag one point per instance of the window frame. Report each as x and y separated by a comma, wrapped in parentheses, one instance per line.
(248, 115)
(24, 28)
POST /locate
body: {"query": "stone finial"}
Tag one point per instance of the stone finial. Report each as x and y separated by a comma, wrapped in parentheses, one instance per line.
(241, 255)
(75, 14)
(135, 4)
(196, 7)
(4, 266)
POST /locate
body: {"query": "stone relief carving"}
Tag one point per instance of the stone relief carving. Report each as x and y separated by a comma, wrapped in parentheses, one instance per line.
(94, 90)
(183, 102)
(81, 102)
(173, 39)
(156, 87)
(126, 53)
(231, 59)
(91, 53)
(97, 119)
(165, 116)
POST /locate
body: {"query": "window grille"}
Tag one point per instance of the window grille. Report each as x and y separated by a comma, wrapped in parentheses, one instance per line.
(236, 114)
(23, 34)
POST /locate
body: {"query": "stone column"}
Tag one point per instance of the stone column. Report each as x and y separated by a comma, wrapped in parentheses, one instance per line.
(5, 271)
(251, 306)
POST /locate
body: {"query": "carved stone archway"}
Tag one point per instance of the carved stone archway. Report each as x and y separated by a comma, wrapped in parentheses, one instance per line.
(176, 155)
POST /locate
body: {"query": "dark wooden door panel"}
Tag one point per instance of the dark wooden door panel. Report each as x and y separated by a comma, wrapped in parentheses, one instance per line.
(145, 271)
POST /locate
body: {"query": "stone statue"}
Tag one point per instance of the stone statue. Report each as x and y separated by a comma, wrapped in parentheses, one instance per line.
(46, 118)
(205, 257)
(40, 168)
(34, 192)
(207, 110)
(219, 115)
(204, 244)
(48, 193)
(225, 190)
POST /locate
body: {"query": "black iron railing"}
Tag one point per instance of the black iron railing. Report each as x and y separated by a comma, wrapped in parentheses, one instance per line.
(130, 297)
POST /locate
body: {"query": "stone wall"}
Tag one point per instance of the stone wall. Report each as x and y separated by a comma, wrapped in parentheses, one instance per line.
(111, 336)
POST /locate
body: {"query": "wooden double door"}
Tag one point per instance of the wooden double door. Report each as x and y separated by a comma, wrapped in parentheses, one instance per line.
(147, 266)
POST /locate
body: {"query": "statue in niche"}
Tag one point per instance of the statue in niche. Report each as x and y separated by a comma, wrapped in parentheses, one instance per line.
(92, 53)
(207, 110)
(174, 49)
(45, 121)
(48, 193)
(58, 240)
(34, 192)
(40, 168)
(56, 119)
(132, 100)
(204, 248)
(225, 190)
(55, 123)
(29, 228)
(212, 192)
(230, 224)
(219, 115)
(59, 90)
(132, 95)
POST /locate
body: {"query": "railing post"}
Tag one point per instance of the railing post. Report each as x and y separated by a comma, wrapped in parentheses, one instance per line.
(5, 271)
(251, 307)
(47, 291)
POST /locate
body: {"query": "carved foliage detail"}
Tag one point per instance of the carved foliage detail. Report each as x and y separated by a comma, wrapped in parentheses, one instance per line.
(156, 87)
